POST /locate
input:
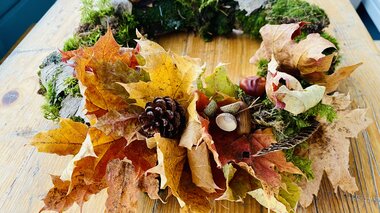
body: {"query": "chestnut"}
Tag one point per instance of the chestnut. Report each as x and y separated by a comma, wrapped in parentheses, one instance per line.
(253, 85)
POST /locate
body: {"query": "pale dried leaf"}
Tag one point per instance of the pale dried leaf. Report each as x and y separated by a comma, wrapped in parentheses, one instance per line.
(200, 167)
(329, 151)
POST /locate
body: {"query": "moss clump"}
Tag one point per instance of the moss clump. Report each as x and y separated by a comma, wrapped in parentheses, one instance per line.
(164, 16)
(262, 67)
(216, 18)
(285, 124)
(291, 11)
(303, 163)
(72, 87)
(252, 24)
(284, 12)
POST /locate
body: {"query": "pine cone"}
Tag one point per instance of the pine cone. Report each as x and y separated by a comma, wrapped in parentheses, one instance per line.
(164, 116)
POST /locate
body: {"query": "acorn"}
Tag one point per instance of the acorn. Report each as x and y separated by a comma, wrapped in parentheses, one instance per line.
(211, 108)
(253, 85)
(231, 108)
(226, 121)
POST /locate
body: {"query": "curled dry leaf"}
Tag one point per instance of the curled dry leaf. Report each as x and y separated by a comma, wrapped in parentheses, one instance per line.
(329, 149)
(170, 75)
(312, 57)
(200, 167)
(286, 92)
(65, 140)
(174, 168)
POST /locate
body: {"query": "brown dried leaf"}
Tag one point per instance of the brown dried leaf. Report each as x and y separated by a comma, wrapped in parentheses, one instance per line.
(309, 56)
(329, 149)
(123, 186)
(120, 124)
(65, 140)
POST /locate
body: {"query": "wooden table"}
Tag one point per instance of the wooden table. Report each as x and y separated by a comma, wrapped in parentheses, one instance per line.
(24, 177)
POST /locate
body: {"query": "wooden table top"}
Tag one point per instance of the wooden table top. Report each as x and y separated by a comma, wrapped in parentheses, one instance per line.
(24, 177)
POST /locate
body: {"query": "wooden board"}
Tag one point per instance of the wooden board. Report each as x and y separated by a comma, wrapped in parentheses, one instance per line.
(24, 178)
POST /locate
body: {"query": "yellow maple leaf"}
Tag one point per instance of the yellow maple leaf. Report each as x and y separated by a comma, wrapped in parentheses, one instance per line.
(65, 140)
(170, 75)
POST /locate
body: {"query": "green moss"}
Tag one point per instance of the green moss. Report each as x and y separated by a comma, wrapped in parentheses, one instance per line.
(50, 112)
(93, 11)
(322, 110)
(262, 67)
(285, 124)
(291, 11)
(72, 87)
(52, 106)
(216, 18)
(126, 31)
(72, 43)
(165, 16)
(331, 39)
(303, 163)
(252, 24)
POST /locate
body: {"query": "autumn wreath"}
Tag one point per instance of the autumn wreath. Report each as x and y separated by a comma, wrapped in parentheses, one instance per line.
(155, 123)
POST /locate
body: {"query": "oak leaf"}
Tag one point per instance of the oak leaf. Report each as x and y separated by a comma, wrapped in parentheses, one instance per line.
(286, 92)
(312, 57)
(170, 75)
(65, 140)
(329, 149)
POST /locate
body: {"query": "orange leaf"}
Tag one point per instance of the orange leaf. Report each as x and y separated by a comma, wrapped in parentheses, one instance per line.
(65, 140)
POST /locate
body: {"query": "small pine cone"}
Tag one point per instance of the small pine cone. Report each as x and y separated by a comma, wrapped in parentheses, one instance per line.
(164, 116)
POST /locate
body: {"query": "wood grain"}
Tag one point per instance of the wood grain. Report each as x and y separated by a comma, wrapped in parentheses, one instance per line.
(24, 178)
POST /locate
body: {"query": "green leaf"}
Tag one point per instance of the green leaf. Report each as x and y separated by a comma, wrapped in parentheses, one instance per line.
(218, 82)
(290, 195)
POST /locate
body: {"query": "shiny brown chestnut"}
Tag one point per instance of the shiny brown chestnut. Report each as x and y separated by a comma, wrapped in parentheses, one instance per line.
(253, 85)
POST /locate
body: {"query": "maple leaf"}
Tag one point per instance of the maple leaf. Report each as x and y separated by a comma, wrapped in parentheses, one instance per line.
(123, 186)
(85, 173)
(312, 57)
(329, 148)
(217, 83)
(100, 67)
(238, 182)
(232, 147)
(120, 124)
(170, 75)
(173, 169)
(65, 140)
